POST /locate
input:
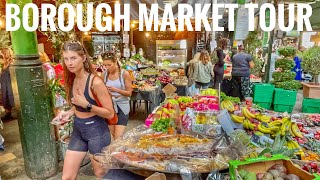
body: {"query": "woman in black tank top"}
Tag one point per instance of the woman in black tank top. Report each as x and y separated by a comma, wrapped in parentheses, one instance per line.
(90, 131)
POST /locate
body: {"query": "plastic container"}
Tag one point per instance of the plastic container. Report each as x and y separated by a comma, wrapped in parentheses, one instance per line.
(311, 105)
(307, 109)
(263, 92)
(265, 105)
(283, 108)
(285, 97)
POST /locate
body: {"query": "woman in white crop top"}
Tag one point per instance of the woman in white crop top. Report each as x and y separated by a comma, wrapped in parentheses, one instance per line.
(119, 84)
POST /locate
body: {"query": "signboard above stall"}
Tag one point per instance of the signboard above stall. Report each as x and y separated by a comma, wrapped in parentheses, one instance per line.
(310, 39)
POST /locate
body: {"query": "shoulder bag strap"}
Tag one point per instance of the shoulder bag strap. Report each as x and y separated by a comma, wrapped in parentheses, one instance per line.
(105, 76)
(95, 96)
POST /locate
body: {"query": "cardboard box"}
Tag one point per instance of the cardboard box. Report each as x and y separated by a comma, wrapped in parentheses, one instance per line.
(169, 90)
(262, 164)
(157, 176)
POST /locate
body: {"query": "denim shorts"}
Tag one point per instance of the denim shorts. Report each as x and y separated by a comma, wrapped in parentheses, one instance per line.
(122, 118)
(89, 134)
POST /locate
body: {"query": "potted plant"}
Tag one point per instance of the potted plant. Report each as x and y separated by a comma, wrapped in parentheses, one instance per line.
(284, 77)
(286, 92)
(311, 63)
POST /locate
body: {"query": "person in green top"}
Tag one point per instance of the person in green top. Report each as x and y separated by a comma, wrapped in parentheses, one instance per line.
(203, 71)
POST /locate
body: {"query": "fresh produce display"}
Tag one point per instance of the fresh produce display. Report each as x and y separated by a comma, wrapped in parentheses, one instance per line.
(276, 172)
(206, 103)
(223, 97)
(161, 125)
(165, 79)
(261, 132)
(166, 62)
(311, 167)
(181, 81)
(209, 91)
(228, 105)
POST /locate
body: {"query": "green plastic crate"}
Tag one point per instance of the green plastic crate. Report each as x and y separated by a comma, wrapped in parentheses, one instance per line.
(310, 109)
(311, 102)
(283, 108)
(263, 93)
(311, 105)
(266, 105)
(284, 97)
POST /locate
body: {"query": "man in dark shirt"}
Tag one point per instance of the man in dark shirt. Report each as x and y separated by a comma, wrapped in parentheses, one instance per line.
(241, 65)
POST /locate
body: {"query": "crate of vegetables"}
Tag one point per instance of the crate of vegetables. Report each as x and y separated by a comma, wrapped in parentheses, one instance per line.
(267, 168)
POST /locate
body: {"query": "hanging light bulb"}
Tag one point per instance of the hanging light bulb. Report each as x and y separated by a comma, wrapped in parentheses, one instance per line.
(147, 34)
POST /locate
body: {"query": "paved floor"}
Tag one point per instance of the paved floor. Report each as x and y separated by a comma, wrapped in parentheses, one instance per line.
(14, 169)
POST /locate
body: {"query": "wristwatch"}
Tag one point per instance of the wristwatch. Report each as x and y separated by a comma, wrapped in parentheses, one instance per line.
(89, 107)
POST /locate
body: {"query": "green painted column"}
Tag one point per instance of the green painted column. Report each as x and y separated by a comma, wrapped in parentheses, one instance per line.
(32, 101)
(269, 43)
(266, 34)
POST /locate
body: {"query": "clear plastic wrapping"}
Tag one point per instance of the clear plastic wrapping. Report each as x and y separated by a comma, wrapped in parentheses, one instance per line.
(191, 153)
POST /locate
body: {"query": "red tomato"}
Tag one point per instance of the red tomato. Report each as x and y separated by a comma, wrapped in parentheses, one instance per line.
(313, 165)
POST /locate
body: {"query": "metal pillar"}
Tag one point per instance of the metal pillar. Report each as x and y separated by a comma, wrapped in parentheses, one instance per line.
(32, 101)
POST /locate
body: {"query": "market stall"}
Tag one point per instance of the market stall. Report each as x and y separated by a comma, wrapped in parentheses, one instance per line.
(211, 134)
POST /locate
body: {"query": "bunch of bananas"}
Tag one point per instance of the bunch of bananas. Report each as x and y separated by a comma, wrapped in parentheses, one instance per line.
(292, 127)
(294, 145)
(263, 118)
(247, 113)
(248, 125)
(285, 125)
(228, 105)
(237, 119)
(268, 130)
(294, 130)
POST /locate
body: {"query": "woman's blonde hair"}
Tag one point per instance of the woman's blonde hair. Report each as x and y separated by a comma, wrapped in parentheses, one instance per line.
(204, 54)
(196, 57)
(7, 55)
(75, 46)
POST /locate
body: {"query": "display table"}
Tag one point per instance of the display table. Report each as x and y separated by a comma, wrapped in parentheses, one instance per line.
(151, 98)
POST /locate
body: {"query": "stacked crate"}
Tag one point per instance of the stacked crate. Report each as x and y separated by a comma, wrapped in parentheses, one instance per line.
(263, 95)
(284, 100)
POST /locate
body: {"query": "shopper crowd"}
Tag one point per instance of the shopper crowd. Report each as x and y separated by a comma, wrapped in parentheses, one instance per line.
(206, 70)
